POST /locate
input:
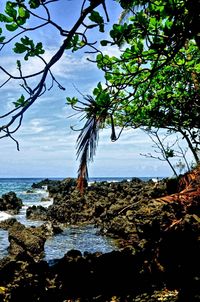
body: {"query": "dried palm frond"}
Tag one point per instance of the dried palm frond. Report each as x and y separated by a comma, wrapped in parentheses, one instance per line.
(189, 186)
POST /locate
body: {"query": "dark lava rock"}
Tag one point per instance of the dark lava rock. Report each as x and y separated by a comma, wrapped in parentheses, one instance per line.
(160, 261)
(100, 201)
(8, 223)
(45, 182)
(64, 187)
(28, 242)
(50, 228)
(36, 213)
(10, 203)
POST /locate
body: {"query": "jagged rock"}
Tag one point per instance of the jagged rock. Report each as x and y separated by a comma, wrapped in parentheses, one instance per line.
(28, 242)
(43, 183)
(45, 199)
(50, 228)
(161, 239)
(8, 223)
(10, 203)
(36, 213)
(65, 187)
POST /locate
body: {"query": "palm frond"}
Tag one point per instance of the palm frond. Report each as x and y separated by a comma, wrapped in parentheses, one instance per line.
(88, 139)
(86, 146)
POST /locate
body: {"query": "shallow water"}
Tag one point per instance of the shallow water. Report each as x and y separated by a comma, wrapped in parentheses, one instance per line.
(84, 239)
(80, 238)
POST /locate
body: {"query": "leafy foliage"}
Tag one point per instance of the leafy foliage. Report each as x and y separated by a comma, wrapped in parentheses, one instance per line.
(27, 45)
(154, 81)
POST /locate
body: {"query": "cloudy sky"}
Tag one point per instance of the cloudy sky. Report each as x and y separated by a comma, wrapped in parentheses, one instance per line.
(47, 143)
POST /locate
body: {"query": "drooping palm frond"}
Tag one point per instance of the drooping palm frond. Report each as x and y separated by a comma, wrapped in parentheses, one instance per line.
(86, 146)
(88, 138)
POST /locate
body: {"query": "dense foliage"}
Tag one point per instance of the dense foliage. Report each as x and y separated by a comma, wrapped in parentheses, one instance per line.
(154, 82)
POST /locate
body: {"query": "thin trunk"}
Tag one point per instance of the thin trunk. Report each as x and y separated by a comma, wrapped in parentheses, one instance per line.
(190, 145)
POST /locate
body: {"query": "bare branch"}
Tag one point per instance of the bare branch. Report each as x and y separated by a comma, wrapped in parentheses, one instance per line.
(40, 88)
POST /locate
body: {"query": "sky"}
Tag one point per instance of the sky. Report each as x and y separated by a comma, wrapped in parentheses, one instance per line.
(47, 143)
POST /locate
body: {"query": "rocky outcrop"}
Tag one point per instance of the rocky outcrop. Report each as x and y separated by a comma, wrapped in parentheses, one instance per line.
(36, 213)
(28, 242)
(10, 203)
(44, 183)
(159, 260)
(126, 275)
(100, 201)
(61, 188)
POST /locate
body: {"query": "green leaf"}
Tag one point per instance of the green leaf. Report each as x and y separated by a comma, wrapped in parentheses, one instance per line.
(34, 3)
(18, 64)
(20, 102)
(2, 39)
(101, 27)
(99, 86)
(95, 17)
(19, 48)
(108, 76)
(95, 91)
(4, 18)
(27, 41)
(22, 12)
(71, 101)
(12, 27)
(10, 9)
(104, 42)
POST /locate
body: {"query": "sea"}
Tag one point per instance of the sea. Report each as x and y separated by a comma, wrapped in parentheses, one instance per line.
(84, 239)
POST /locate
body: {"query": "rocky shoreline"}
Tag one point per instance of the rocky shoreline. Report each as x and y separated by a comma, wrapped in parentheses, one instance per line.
(158, 258)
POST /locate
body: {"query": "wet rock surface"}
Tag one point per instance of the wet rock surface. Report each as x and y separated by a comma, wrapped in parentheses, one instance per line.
(36, 213)
(158, 259)
(10, 203)
(28, 242)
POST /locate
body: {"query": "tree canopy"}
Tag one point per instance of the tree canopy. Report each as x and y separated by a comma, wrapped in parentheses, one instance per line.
(153, 82)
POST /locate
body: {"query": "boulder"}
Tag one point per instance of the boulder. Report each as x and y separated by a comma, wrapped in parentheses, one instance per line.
(26, 242)
(36, 213)
(9, 223)
(43, 183)
(50, 228)
(9, 202)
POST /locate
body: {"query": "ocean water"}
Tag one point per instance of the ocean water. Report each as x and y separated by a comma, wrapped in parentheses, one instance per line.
(84, 238)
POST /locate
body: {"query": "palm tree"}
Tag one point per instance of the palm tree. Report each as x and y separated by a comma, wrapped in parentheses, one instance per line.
(87, 141)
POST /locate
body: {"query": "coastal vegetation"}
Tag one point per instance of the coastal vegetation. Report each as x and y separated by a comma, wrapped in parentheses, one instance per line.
(153, 82)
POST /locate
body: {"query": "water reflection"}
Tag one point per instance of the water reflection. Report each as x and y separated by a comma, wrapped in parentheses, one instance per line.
(84, 239)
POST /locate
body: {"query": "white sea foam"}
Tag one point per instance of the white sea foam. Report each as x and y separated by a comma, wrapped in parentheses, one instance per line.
(44, 188)
(4, 216)
(155, 179)
(47, 203)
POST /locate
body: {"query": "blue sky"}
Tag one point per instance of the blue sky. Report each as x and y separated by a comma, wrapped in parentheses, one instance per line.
(47, 143)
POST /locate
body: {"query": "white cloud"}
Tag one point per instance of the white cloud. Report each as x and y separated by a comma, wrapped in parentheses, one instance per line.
(111, 51)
